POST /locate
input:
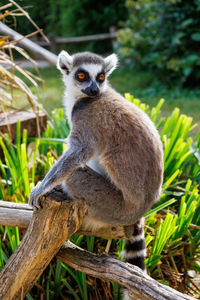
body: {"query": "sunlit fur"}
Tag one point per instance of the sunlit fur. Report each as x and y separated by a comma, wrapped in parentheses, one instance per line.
(105, 164)
(116, 139)
(72, 87)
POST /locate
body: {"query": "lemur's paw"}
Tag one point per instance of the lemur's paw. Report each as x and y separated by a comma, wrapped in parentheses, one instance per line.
(34, 197)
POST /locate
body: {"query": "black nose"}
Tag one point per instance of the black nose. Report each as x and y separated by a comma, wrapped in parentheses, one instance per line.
(91, 90)
(94, 91)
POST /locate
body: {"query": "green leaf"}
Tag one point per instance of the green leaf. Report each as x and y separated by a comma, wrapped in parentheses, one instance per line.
(159, 207)
(71, 289)
(186, 23)
(196, 36)
(170, 179)
(187, 71)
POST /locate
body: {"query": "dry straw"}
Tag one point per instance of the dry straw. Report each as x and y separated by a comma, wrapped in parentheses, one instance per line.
(16, 82)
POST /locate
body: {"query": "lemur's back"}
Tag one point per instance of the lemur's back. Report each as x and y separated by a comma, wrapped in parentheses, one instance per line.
(126, 142)
(117, 140)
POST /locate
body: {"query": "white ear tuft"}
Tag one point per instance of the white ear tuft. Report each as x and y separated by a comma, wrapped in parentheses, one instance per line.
(64, 62)
(111, 62)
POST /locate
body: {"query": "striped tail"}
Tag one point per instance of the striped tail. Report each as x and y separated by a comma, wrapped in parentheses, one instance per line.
(135, 250)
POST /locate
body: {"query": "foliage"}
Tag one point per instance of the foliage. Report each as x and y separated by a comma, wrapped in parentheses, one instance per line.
(12, 76)
(75, 18)
(172, 231)
(142, 84)
(163, 35)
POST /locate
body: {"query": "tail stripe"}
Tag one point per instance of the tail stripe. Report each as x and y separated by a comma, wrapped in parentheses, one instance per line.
(135, 245)
(132, 253)
(138, 229)
(135, 248)
(137, 261)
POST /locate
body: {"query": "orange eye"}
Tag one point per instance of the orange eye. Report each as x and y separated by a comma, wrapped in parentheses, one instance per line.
(81, 76)
(101, 77)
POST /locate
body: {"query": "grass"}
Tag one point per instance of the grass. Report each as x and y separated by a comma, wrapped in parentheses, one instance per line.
(142, 85)
(168, 233)
(147, 88)
(173, 223)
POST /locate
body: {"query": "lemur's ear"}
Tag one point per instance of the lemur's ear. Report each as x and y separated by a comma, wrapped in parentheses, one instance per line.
(111, 62)
(64, 62)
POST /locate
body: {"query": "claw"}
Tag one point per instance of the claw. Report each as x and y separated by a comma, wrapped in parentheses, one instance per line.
(34, 198)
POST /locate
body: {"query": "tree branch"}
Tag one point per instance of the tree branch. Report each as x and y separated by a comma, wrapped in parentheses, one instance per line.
(28, 44)
(18, 214)
(109, 268)
(51, 226)
(82, 180)
(48, 230)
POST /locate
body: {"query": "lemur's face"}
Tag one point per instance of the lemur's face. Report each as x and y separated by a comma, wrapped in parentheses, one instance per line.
(85, 74)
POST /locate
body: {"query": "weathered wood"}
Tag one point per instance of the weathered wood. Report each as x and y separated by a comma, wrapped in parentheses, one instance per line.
(109, 268)
(18, 214)
(28, 120)
(90, 186)
(28, 44)
(79, 39)
(15, 214)
(48, 230)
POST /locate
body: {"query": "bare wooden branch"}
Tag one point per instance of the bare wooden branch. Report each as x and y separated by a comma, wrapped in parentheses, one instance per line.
(18, 214)
(15, 214)
(48, 230)
(28, 44)
(80, 39)
(109, 268)
(82, 180)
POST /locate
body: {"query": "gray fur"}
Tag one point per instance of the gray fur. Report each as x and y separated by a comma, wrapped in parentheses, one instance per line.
(114, 138)
(87, 58)
(77, 154)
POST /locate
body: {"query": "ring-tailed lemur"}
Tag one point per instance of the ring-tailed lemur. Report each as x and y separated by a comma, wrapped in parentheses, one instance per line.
(113, 137)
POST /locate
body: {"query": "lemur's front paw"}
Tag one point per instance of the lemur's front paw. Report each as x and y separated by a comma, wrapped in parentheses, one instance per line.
(34, 197)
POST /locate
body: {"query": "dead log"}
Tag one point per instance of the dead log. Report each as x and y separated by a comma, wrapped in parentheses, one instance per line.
(109, 268)
(28, 120)
(28, 44)
(15, 214)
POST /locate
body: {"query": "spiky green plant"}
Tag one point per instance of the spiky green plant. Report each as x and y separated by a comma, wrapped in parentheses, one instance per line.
(172, 224)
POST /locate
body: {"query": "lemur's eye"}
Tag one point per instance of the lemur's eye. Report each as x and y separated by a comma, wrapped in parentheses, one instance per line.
(101, 77)
(81, 76)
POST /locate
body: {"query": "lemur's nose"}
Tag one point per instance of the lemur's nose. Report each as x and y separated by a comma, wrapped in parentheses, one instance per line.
(92, 90)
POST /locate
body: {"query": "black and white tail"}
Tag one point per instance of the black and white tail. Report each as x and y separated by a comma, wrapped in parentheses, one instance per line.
(135, 249)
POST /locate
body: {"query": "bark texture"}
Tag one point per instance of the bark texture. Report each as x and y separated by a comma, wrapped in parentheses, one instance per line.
(48, 230)
(140, 285)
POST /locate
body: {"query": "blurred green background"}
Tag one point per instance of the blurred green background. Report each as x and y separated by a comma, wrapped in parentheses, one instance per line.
(158, 45)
